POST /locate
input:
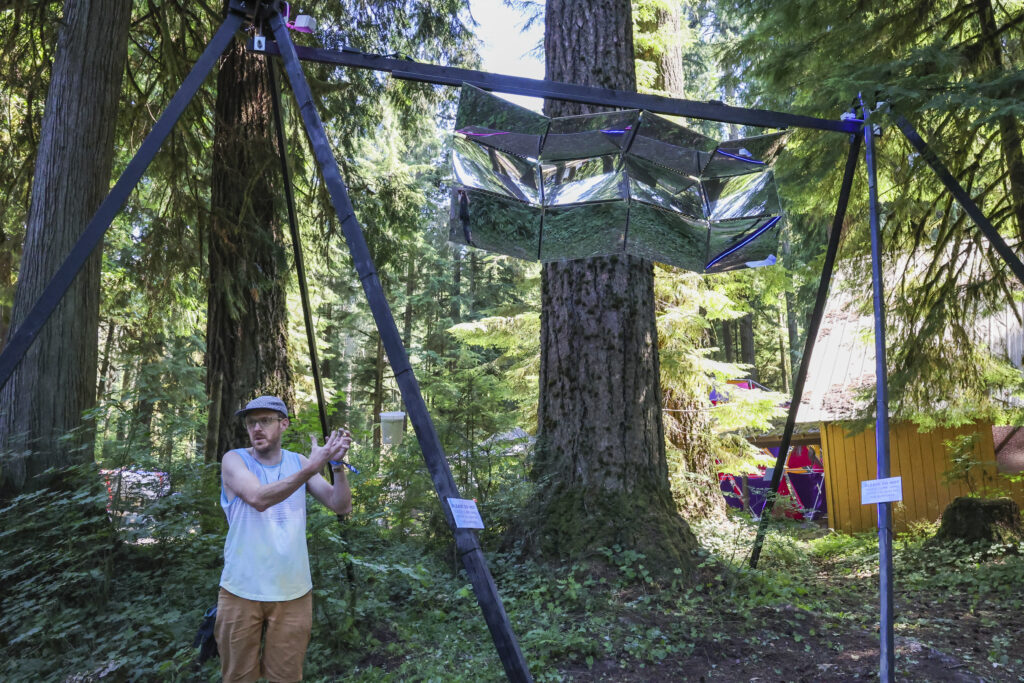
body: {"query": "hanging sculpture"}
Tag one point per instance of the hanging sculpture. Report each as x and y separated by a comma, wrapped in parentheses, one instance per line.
(630, 181)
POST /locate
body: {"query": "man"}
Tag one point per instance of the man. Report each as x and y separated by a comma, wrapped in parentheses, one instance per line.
(266, 579)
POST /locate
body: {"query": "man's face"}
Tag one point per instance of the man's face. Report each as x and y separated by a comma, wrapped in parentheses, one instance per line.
(265, 428)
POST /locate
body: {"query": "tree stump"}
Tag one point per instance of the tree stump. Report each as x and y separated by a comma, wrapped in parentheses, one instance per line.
(980, 520)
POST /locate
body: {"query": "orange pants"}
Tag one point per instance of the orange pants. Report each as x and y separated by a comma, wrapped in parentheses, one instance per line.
(239, 630)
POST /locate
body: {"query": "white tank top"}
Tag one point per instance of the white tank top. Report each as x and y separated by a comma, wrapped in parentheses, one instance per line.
(265, 556)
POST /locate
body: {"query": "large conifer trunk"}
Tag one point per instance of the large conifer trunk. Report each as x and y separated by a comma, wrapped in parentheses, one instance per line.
(246, 332)
(601, 456)
(56, 381)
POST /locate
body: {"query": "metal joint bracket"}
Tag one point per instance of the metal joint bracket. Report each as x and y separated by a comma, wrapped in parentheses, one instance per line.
(246, 8)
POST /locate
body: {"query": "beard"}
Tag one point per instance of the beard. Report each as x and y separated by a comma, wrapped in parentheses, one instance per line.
(266, 445)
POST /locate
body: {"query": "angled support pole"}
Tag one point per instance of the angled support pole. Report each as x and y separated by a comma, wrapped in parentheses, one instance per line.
(300, 263)
(466, 542)
(960, 194)
(812, 334)
(21, 339)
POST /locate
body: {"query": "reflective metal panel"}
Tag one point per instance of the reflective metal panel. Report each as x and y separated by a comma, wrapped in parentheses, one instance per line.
(499, 224)
(744, 196)
(744, 243)
(661, 187)
(494, 122)
(593, 135)
(745, 155)
(583, 231)
(667, 237)
(583, 180)
(668, 144)
(610, 183)
(495, 171)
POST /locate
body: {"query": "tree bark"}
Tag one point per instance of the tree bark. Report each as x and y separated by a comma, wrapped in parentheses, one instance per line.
(600, 464)
(795, 350)
(783, 365)
(378, 394)
(456, 308)
(747, 351)
(246, 332)
(56, 381)
(101, 387)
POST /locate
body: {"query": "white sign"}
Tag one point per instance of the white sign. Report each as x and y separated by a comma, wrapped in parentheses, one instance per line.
(881, 490)
(465, 513)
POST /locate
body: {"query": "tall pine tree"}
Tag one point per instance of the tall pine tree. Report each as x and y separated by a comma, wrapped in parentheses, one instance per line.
(56, 381)
(600, 463)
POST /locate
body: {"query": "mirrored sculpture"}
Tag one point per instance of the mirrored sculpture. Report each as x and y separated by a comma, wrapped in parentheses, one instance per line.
(629, 181)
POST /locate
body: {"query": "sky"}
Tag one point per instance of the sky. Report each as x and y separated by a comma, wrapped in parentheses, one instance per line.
(504, 47)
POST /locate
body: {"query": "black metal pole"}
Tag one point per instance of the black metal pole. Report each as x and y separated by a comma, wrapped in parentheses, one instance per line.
(946, 178)
(569, 92)
(812, 334)
(300, 264)
(21, 339)
(466, 542)
(886, 665)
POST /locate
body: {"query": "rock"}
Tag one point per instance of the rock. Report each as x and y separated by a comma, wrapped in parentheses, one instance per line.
(980, 520)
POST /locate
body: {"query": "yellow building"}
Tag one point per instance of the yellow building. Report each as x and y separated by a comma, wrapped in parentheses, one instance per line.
(842, 367)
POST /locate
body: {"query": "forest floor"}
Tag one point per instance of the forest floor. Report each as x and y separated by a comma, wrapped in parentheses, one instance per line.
(957, 615)
(391, 605)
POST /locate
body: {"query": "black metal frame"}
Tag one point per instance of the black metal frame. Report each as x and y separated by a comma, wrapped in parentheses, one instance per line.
(466, 541)
(887, 661)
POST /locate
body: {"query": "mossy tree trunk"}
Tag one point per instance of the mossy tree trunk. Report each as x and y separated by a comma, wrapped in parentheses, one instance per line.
(246, 333)
(600, 464)
(56, 381)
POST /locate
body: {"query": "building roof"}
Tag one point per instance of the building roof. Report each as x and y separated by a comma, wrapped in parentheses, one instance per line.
(842, 368)
(1009, 447)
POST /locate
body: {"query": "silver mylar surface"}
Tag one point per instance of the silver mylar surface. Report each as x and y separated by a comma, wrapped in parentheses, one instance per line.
(610, 183)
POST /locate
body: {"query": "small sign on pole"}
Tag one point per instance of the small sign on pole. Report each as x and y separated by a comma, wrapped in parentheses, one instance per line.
(466, 514)
(875, 491)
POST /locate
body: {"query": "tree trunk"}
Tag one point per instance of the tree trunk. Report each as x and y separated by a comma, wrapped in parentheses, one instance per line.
(727, 344)
(7, 288)
(246, 331)
(101, 387)
(795, 350)
(147, 388)
(783, 365)
(56, 381)
(456, 308)
(410, 290)
(747, 353)
(378, 394)
(474, 277)
(600, 463)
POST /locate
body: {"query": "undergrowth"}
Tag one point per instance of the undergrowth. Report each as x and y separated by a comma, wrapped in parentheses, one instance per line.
(81, 596)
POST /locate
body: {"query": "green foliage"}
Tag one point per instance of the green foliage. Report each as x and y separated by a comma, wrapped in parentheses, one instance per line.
(963, 457)
(947, 68)
(76, 598)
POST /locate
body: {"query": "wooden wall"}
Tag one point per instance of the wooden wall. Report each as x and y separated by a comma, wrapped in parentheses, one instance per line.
(921, 460)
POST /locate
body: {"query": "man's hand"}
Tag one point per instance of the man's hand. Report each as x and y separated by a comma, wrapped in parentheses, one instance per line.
(339, 496)
(335, 448)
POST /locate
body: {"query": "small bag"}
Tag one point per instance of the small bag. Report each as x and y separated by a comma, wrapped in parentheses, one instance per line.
(204, 640)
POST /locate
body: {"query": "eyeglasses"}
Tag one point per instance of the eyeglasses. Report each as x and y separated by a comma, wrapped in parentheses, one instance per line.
(264, 422)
